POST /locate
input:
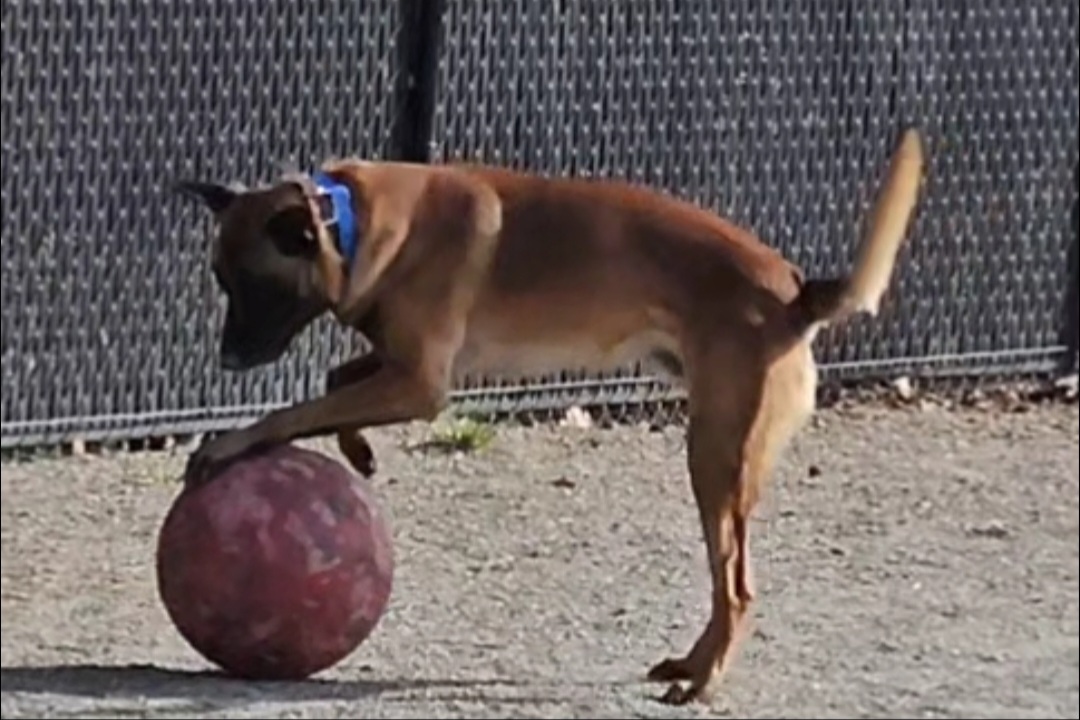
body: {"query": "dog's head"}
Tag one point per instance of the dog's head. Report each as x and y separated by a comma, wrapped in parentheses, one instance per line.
(276, 261)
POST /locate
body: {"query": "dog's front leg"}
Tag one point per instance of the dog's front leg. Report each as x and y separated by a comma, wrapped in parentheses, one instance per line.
(394, 392)
(351, 441)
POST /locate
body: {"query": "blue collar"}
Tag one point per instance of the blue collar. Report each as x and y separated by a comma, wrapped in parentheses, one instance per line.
(343, 217)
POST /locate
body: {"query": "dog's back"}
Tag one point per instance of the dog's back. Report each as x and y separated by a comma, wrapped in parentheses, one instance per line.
(606, 247)
(578, 257)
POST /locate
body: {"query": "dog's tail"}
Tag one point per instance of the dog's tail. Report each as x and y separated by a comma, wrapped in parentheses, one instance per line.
(824, 301)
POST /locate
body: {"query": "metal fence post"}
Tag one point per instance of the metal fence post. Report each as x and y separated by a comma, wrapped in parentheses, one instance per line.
(1072, 307)
(422, 20)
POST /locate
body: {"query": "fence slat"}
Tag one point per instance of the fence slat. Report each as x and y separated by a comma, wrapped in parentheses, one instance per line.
(1072, 305)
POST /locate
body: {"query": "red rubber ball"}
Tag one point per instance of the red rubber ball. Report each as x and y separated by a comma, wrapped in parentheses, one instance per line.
(277, 568)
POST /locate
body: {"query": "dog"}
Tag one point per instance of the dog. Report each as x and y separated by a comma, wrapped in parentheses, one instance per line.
(454, 269)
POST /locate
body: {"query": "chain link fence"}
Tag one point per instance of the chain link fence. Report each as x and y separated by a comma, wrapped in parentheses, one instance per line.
(779, 114)
(110, 315)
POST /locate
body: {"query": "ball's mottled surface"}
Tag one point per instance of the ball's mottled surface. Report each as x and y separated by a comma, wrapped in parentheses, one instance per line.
(277, 568)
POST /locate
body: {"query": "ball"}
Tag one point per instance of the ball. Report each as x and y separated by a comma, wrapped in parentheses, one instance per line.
(279, 567)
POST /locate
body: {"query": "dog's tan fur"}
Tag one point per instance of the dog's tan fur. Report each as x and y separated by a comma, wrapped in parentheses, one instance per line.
(471, 269)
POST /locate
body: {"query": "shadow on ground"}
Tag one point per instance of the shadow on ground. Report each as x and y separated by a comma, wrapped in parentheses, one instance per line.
(148, 681)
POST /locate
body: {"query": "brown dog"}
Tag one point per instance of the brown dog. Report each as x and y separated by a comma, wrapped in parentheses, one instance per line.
(463, 269)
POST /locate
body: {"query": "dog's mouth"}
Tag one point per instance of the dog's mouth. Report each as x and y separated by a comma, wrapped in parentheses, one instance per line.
(235, 362)
(242, 351)
(240, 357)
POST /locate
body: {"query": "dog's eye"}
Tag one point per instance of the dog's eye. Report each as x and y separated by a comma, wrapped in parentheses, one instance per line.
(292, 233)
(294, 244)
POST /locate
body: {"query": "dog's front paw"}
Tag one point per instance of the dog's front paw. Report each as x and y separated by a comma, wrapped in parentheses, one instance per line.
(214, 455)
(354, 446)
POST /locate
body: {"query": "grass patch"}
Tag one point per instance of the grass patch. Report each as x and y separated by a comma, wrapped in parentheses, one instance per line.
(456, 434)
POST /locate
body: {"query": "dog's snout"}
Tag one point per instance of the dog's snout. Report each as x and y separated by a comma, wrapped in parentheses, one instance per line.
(231, 360)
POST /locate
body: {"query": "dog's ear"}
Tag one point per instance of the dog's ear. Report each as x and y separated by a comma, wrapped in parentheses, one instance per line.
(215, 196)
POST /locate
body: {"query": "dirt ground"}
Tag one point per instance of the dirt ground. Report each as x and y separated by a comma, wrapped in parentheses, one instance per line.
(910, 564)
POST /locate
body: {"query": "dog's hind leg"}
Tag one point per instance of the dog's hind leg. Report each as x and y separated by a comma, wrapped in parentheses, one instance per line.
(787, 402)
(726, 386)
(739, 421)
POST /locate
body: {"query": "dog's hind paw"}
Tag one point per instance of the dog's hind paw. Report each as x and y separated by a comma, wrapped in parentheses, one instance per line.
(670, 670)
(679, 694)
(686, 685)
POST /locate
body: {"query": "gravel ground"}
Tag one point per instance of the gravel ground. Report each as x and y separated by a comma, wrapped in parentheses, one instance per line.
(910, 563)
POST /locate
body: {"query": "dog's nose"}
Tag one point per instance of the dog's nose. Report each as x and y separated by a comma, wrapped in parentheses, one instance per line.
(231, 361)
